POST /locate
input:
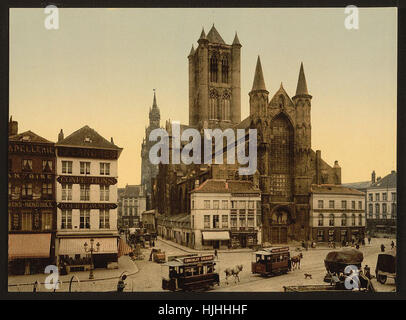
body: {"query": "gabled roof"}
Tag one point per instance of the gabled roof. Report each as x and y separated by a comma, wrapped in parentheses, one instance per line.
(358, 185)
(29, 136)
(214, 37)
(389, 181)
(226, 186)
(281, 91)
(87, 137)
(132, 191)
(334, 189)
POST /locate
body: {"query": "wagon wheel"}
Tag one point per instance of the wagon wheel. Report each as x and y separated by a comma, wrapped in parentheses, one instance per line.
(381, 278)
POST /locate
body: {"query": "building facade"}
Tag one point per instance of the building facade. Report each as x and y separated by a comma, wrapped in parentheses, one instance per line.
(287, 164)
(225, 214)
(132, 203)
(337, 214)
(148, 170)
(382, 205)
(31, 202)
(86, 194)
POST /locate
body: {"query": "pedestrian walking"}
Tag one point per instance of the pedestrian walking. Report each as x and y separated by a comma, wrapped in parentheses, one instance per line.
(121, 283)
(369, 240)
(215, 253)
(392, 244)
(153, 243)
(382, 248)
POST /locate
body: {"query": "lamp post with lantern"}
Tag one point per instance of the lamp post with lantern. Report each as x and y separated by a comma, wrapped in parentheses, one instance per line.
(91, 249)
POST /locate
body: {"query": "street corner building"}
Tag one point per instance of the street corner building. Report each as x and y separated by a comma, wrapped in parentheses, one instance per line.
(337, 214)
(31, 202)
(287, 165)
(86, 195)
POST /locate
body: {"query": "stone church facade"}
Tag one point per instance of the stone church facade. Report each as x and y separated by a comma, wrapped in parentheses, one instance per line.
(287, 165)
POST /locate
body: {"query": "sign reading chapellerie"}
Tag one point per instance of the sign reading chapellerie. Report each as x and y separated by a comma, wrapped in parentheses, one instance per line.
(87, 153)
(86, 206)
(31, 148)
(87, 180)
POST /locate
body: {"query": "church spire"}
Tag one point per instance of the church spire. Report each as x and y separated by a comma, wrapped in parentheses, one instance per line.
(202, 36)
(259, 83)
(154, 114)
(301, 82)
(236, 41)
(154, 105)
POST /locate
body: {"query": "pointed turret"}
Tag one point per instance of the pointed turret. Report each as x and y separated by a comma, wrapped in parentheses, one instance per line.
(202, 37)
(236, 41)
(154, 105)
(259, 83)
(301, 83)
(192, 51)
(214, 37)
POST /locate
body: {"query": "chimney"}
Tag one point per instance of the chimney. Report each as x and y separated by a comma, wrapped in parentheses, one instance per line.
(393, 172)
(12, 127)
(373, 176)
(111, 140)
(60, 136)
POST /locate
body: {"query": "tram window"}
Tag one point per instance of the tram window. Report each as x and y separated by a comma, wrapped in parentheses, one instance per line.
(210, 269)
(188, 272)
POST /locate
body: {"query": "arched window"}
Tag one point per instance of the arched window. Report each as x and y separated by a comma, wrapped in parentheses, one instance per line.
(281, 157)
(224, 70)
(344, 220)
(226, 106)
(321, 220)
(213, 68)
(353, 220)
(331, 220)
(213, 105)
(360, 220)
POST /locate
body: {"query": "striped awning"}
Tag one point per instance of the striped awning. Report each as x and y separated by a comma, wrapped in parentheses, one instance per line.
(72, 246)
(213, 235)
(123, 248)
(22, 246)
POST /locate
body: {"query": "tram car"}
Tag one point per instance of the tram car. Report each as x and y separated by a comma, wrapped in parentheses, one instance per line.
(271, 261)
(190, 274)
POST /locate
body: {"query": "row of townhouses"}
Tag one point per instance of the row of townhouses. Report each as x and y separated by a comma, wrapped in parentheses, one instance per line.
(62, 200)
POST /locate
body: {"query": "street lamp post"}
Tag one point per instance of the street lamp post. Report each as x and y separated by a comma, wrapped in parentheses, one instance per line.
(91, 250)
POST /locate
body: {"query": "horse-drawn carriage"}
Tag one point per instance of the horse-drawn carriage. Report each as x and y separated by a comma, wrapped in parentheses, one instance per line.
(386, 266)
(344, 270)
(271, 261)
(190, 273)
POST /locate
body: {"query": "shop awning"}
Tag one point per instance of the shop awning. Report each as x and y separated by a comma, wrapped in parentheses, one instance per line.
(22, 246)
(123, 248)
(74, 246)
(212, 235)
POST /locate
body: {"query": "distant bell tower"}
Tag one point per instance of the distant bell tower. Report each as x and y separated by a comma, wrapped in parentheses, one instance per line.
(215, 81)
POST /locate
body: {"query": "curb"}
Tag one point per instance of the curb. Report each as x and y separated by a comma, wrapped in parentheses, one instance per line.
(84, 280)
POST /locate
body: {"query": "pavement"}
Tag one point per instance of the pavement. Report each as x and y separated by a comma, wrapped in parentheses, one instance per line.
(104, 279)
(145, 275)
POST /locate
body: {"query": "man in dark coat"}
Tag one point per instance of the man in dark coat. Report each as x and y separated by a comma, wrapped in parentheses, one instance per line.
(382, 248)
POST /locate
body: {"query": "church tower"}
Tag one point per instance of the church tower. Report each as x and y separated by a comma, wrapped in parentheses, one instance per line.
(215, 81)
(148, 170)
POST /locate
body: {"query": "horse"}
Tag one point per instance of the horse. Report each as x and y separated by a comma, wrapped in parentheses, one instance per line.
(233, 272)
(295, 261)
